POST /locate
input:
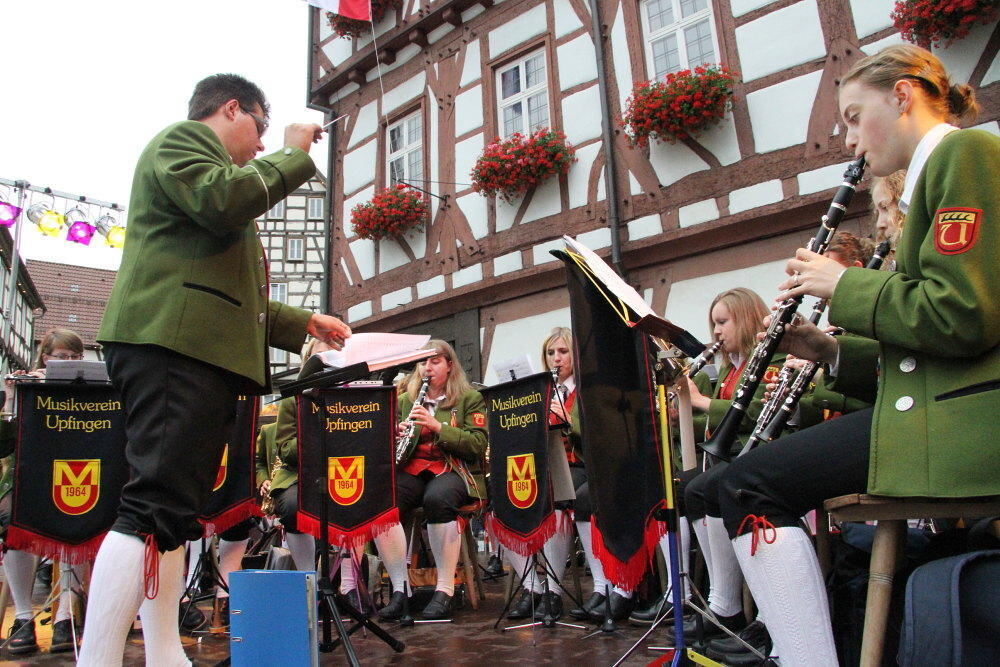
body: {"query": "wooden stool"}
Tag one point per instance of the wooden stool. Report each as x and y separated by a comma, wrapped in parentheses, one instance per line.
(469, 555)
(891, 515)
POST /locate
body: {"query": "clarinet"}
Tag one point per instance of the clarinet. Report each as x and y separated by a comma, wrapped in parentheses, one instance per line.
(404, 439)
(702, 359)
(771, 428)
(725, 434)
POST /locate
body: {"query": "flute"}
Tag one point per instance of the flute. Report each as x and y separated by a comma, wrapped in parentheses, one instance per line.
(725, 434)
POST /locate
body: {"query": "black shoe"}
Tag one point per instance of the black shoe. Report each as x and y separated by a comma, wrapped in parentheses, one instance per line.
(190, 617)
(220, 618)
(621, 607)
(494, 567)
(555, 606)
(62, 637)
(394, 610)
(22, 634)
(525, 605)
(583, 613)
(439, 607)
(710, 631)
(661, 607)
(731, 652)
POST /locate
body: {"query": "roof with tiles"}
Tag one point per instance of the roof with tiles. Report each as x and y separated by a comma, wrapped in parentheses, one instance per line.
(75, 297)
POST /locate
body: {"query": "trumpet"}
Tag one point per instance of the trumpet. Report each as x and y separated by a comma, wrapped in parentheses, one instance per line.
(405, 439)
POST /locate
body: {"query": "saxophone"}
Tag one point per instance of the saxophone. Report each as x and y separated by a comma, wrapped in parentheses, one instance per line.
(267, 502)
(405, 439)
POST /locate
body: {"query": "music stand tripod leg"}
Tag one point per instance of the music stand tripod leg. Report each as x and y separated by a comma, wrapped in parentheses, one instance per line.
(548, 620)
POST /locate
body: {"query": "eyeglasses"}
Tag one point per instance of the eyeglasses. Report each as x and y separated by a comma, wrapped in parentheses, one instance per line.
(259, 121)
(64, 356)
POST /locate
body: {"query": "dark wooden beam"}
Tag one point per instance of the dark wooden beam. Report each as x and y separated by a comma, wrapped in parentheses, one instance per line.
(386, 56)
(418, 37)
(452, 16)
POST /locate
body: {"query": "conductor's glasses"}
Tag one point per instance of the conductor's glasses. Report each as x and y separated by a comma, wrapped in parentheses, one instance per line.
(259, 121)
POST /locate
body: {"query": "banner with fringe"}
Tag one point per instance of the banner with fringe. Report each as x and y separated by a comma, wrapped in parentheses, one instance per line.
(347, 464)
(234, 493)
(69, 468)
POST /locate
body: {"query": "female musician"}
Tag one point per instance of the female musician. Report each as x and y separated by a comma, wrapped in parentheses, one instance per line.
(886, 192)
(19, 566)
(932, 327)
(443, 473)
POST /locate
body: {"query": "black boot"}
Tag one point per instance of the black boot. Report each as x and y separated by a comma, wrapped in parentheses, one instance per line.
(525, 605)
(555, 606)
(661, 607)
(438, 608)
(393, 610)
(730, 651)
(62, 637)
(621, 607)
(583, 613)
(190, 617)
(494, 567)
(22, 634)
(710, 631)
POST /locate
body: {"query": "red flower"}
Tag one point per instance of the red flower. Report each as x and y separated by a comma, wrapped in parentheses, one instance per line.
(391, 212)
(509, 167)
(929, 22)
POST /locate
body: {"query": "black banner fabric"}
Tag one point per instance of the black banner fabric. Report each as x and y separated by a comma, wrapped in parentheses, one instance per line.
(615, 393)
(234, 493)
(522, 517)
(69, 469)
(347, 466)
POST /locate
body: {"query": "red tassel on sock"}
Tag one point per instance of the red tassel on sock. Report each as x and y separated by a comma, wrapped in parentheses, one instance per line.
(151, 568)
(759, 525)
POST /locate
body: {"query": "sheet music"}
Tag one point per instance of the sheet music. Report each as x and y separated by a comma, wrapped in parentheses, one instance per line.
(372, 347)
(562, 480)
(606, 274)
(520, 366)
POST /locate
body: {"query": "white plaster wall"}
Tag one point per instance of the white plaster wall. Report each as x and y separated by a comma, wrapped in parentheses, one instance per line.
(468, 110)
(467, 276)
(993, 73)
(961, 57)
(364, 254)
(505, 213)
(540, 253)
(992, 127)
(403, 56)
(404, 93)
(470, 13)
(359, 167)
(779, 114)
(438, 32)
(687, 304)
(472, 68)
(391, 255)
(417, 240)
(779, 40)
(721, 140)
(698, 212)
(544, 202)
(633, 185)
(870, 16)
(359, 311)
(644, 227)
(337, 50)
(596, 238)
(466, 154)
(566, 19)
(582, 115)
(474, 208)
(430, 287)
(579, 174)
(577, 62)
(387, 23)
(507, 263)
(673, 162)
(398, 298)
(741, 7)
(761, 194)
(366, 124)
(622, 58)
(821, 179)
(522, 337)
(518, 30)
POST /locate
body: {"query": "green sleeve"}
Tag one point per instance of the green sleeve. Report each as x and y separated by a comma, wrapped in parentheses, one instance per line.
(468, 440)
(287, 326)
(262, 462)
(857, 368)
(192, 168)
(286, 433)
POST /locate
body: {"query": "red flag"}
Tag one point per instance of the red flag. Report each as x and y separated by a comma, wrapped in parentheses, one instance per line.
(352, 9)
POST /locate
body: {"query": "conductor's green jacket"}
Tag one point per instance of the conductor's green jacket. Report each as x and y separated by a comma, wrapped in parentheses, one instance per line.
(193, 277)
(934, 332)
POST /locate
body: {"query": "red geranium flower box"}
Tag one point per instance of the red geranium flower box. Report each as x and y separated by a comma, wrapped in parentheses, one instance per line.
(390, 213)
(511, 166)
(928, 22)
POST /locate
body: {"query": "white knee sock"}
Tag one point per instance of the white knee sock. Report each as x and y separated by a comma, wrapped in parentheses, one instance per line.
(116, 590)
(19, 571)
(194, 554)
(446, 544)
(348, 571)
(622, 592)
(787, 585)
(392, 550)
(701, 532)
(517, 565)
(70, 577)
(684, 546)
(160, 628)
(230, 560)
(596, 569)
(556, 552)
(725, 597)
(303, 548)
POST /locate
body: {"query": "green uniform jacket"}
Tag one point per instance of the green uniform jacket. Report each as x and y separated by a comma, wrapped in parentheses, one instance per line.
(937, 323)
(193, 277)
(820, 398)
(465, 444)
(264, 452)
(286, 440)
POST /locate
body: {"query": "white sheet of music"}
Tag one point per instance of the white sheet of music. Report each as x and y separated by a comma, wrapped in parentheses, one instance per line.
(372, 347)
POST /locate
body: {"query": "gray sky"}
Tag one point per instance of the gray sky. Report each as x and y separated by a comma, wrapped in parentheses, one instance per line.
(91, 82)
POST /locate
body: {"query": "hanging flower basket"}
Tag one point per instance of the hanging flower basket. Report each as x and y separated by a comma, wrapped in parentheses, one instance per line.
(928, 22)
(353, 28)
(510, 167)
(390, 213)
(682, 105)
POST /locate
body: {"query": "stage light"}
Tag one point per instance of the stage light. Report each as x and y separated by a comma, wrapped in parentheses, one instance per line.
(116, 236)
(35, 212)
(80, 232)
(8, 214)
(51, 223)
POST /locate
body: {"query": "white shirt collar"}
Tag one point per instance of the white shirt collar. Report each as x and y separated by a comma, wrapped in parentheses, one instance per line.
(735, 360)
(924, 149)
(570, 384)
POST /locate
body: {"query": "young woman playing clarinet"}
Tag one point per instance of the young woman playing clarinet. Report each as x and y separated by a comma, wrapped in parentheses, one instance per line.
(932, 328)
(441, 474)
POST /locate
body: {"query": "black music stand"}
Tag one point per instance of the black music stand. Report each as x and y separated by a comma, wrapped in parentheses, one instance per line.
(206, 566)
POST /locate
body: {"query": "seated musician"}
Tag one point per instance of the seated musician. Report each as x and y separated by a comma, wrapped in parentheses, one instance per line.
(886, 191)
(19, 566)
(932, 328)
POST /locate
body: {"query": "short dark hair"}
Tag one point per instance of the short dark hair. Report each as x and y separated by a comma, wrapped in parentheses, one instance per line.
(850, 248)
(214, 91)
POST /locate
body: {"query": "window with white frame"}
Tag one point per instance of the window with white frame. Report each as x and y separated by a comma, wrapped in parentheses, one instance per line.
(314, 209)
(295, 250)
(279, 292)
(523, 95)
(404, 141)
(277, 211)
(680, 34)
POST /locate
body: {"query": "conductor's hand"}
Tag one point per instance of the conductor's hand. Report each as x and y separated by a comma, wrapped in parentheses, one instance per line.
(423, 417)
(328, 329)
(810, 273)
(303, 135)
(807, 341)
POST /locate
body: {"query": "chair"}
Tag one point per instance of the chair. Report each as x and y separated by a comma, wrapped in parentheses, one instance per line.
(469, 555)
(891, 515)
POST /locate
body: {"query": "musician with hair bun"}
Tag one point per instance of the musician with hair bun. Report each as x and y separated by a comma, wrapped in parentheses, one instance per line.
(931, 328)
(441, 473)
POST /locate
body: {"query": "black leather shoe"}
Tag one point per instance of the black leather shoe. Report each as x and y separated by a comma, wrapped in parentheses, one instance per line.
(661, 607)
(494, 567)
(62, 637)
(731, 652)
(190, 617)
(394, 610)
(439, 607)
(621, 607)
(22, 634)
(583, 613)
(523, 607)
(710, 631)
(555, 606)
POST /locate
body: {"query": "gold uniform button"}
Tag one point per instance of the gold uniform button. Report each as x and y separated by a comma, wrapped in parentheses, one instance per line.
(261, 318)
(908, 364)
(904, 403)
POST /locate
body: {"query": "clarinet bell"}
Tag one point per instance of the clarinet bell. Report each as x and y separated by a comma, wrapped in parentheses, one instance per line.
(717, 448)
(721, 442)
